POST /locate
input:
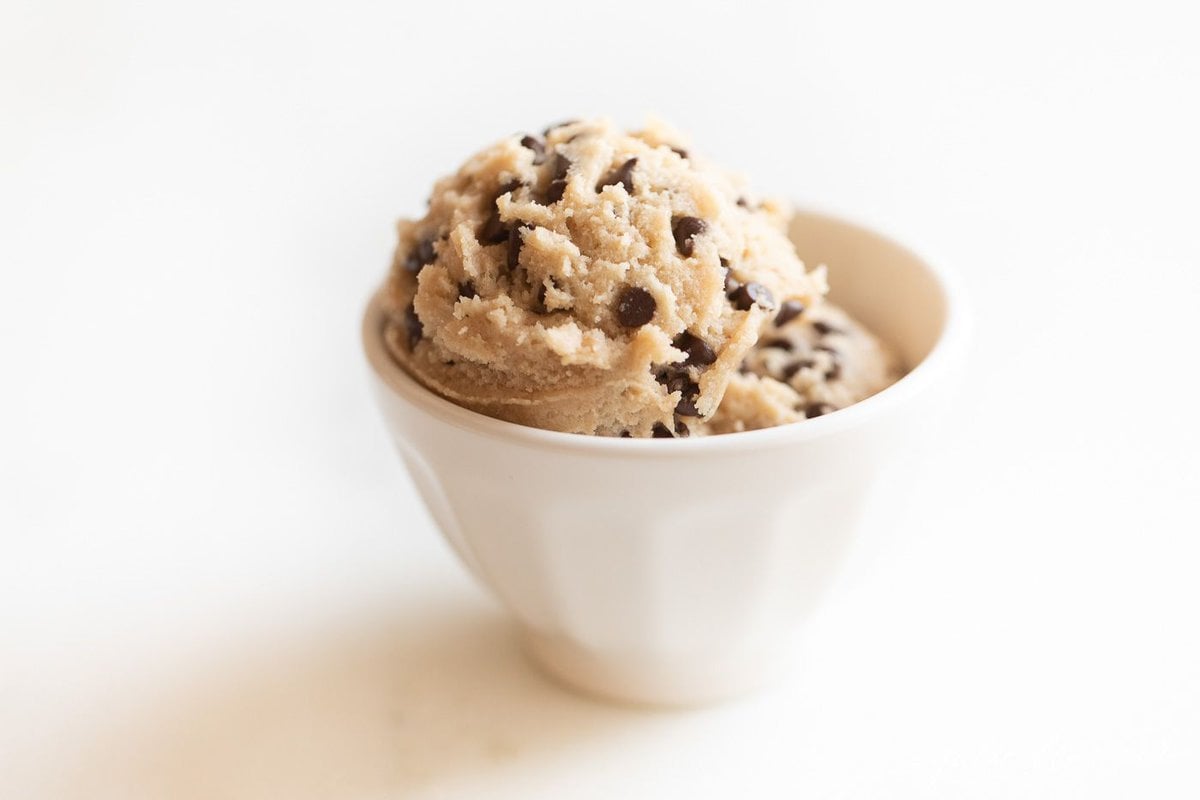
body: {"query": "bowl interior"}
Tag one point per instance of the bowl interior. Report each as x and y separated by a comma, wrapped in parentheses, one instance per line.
(880, 283)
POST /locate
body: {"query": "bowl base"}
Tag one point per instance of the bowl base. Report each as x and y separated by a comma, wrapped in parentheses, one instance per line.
(648, 681)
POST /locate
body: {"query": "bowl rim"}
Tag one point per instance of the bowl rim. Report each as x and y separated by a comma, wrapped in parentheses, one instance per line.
(948, 347)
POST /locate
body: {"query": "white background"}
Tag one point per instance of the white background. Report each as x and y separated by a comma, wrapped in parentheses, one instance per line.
(216, 581)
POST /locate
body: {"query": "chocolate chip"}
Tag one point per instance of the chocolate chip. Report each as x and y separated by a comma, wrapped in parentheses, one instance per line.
(515, 241)
(699, 354)
(743, 202)
(686, 407)
(560, 167)
(671, 377)
(685, 230)
(677, 380)
(493, 231)
(752, 294)
(562, 124)
(688, 392)
(622, 175)
(834, 372)
(413, 327)
(817, 409)
(681, 430)
(467, 289)
(778, 344)
(790, 370)
(731, 283)
(535, 144)
(679, 151)
(660, 431)
(788, 312)
(421, 255)
(555, 191)
(635, 307)
(825, 329)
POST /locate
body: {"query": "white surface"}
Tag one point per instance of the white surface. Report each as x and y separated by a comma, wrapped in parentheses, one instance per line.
(215, 581)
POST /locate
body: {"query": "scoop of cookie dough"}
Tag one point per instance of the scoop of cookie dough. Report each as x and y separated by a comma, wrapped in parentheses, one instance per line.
(590, 281)
(809, 363)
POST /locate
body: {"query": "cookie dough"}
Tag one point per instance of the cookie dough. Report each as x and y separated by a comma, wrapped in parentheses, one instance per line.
(594, 281)
(810, 362)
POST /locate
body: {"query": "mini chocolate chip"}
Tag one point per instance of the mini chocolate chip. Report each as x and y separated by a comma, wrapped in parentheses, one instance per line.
(535, 144)
(817, 409)
(752, 294)
(562, 124)
(622, 175)
(660, 431)
(731, 284)
(778, 344)
(558, 180)
(834, 372)
(493, 231)
(561, 165)
(790, 370)
(699, 354)
(743, 202)
(555, 192)
(635, 307)
(413, 327)
(679, 151)
(515, 241)
(686, 407)
(825, 329)
(467, 289)
(685, 230)
(788, 312)
(681, 430)
(426, 252)
(540, 304)
(678, 380)
(688, 391)
(626, 435)
(421, 255)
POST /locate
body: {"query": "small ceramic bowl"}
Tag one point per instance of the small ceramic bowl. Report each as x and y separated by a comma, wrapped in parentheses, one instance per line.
(677, 571)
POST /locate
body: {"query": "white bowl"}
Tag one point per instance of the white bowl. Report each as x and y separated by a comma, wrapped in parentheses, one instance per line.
(677, 571)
